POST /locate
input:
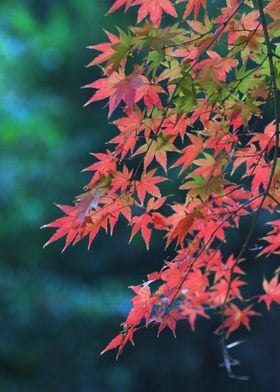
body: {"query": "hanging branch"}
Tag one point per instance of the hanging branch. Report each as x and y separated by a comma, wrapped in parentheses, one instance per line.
(186, 107)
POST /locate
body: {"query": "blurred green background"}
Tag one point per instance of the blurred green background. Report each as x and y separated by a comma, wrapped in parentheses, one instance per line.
(58, 311)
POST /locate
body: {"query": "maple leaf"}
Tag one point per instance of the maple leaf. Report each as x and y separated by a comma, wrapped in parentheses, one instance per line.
(121, 179)
(106, 163)
(273, 238)
(72, 226)
(181, 222)
(106, 49)
(114, 343)
(193, 5)
(198, 27)
(237, 317)
(150, 93)
(226, 269)
(172, 276)
(129, 128)
(120, 206)
(176, 127)
(141, 222)
(103, 86)
(249, 21)
(68, 225)
(209, 166)
(272, 290)
(196, 285)
(260, 177)
(216, 67)
(118, 87)
(125, 90)
(219, 137)
(272, 9)
(266, 138)
(247, 155)
(199, 186)
(220, 290)
(192, 313)
(93, 211)
(147, 184)
(156, 39)
(155, 8)
(119, 3)
(171, 72)
(169, 320)
(142, 304)
(189, 153)
(155, 204)
(239, 113)
(211, 229)
(120, 341)
(158, 149)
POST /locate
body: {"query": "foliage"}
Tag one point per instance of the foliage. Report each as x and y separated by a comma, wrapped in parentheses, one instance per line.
(193, 93)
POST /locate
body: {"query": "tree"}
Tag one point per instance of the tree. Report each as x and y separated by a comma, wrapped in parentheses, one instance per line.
(193, 89)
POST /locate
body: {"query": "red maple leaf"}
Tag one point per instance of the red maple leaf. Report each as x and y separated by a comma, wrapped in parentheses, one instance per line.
(120, 341)
(177, 127)
(119, 3)
(147, 184)
(158, 149)
(193, 5)
(125, 90)
(247, 155)
(72, 225)
(273, 238)
(129, 128)
(266, 139)
(169, 320)
(106, 48)
(106, 163)
(216, 66)
(142, 304)
(221, 288)
(114, 343)
(181, 222)
(189, 153)
(142, 222)
(272, 290)
(192, 312)
(260, 178)
(155, 8)
(121, 179)
(237, 317)
(118, 87)
(208, 166)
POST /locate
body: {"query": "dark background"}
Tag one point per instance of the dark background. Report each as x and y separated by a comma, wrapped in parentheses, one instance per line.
(58, 311)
